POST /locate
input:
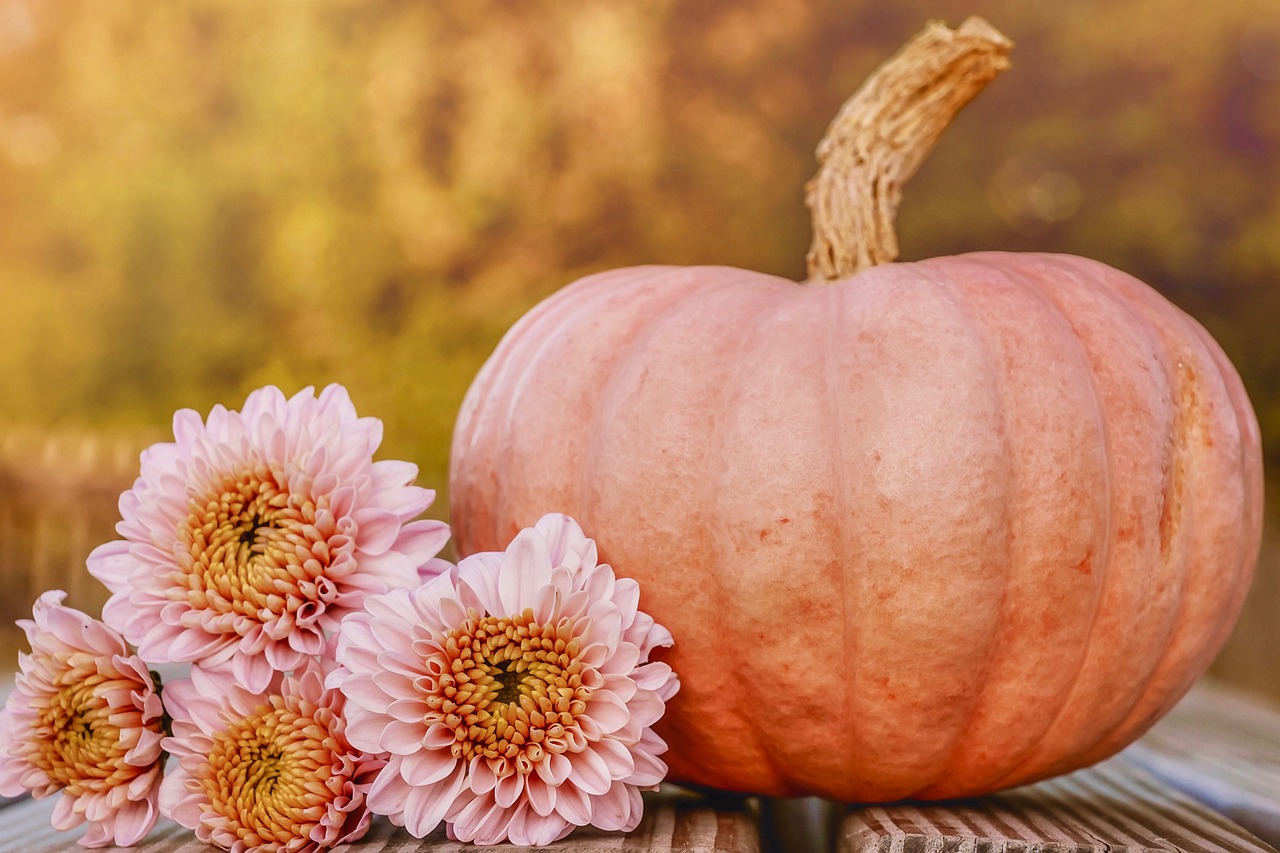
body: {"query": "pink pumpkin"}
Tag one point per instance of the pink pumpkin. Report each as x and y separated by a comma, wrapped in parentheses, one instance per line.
(930, 530)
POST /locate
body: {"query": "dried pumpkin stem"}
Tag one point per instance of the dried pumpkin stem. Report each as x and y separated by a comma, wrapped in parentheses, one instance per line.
(882, 135)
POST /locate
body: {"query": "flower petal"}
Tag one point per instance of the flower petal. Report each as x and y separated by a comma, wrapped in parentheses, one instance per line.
(526, 567)
(608, 711)
(611, 811)
(361, 689)
(422, 540)
(112, 564)
(401, 738)
(132, 822)
(427, 766)
(378, 529)
(567, 545)
(193, 644)
(650, 770)
(508, 790)
(590, 772)
(572, 804)
(616, 757)
(554, 769)
(390, 792)
(542, 797)
(481, 821)
(252, 671)
(426, 805)
(534, 830)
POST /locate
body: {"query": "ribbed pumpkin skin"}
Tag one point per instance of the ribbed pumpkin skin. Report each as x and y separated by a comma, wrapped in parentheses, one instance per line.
(937, 529)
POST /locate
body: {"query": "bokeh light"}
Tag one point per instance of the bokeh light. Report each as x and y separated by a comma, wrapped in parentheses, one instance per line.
(199, 197)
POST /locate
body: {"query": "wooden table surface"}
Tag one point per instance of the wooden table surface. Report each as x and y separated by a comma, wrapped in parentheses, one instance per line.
(673, 821)
(1223, 749)
(1115, 806)
(1205, 780)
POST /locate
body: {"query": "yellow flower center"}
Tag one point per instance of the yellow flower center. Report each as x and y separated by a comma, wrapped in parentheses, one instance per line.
(513, 688)
(78, 745)
(251, 547)
(268, 772)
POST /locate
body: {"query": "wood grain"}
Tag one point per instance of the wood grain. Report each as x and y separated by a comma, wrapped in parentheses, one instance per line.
(1113, 808)
(1223, 749)
(673, 821)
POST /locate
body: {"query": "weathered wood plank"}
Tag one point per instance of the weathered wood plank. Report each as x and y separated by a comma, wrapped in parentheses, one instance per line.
(1223, 749)
(1113, 808)
(673, 822)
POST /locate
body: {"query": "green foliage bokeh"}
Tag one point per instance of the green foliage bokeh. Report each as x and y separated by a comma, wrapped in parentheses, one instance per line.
(200, 197)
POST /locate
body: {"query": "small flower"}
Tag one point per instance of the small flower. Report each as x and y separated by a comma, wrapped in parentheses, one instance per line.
(84, 719)
(254, 533)
(513, 695)
(271, 771)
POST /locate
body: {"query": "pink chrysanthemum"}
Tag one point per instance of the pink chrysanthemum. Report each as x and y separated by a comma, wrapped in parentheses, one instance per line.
(84, 719)
(514, 694)
(271, 772)
(255, 532)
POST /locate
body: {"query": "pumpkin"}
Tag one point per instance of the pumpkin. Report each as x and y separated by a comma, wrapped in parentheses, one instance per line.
(923, 529)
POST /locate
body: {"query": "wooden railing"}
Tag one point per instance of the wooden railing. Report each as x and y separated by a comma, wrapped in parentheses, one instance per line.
(58, 498)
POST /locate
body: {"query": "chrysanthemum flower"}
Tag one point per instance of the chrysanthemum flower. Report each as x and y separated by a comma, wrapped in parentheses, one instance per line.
(513, 695)
(271, 771)
(254, 533)
(84, 719)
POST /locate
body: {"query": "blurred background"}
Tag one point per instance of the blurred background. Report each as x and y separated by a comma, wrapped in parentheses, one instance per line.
(200, 197)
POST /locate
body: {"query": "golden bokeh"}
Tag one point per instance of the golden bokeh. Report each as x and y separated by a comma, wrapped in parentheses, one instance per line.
(200, 197)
